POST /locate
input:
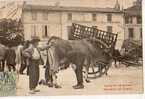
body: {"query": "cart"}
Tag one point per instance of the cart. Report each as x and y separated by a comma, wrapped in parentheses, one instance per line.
(109, 39)
(132, 55)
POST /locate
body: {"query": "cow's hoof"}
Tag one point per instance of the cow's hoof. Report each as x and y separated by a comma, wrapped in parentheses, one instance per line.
(57, 86)
(87, 81)
(78, 86)
(50, 85)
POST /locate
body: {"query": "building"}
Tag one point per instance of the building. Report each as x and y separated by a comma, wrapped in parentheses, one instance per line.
(133, 21)
(45, 21)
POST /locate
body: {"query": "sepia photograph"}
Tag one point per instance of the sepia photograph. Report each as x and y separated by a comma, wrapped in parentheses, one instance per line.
(71, 47)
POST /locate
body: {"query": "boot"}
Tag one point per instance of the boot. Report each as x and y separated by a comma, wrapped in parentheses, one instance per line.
(78, 86)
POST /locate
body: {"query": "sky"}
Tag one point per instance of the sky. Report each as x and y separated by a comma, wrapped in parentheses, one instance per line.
(84, 3)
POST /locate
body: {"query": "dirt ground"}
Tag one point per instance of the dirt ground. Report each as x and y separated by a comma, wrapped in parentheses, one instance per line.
(120, 80)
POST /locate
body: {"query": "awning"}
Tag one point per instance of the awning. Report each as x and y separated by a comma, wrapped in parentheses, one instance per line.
(13, 10)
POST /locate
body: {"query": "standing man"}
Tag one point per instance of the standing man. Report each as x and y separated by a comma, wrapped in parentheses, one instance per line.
(24, 60)
(34, 59)
(48, 77)
(19, 56)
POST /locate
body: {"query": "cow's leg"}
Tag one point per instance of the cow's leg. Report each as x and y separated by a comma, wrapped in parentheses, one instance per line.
(79, 76)
(14, 68)
(0, 66)
(115, 63)
(9, 68)
(106, 73)
(48, 77)
(86, 74)
(50, 81)
(54, 77)
(3, 65)
(22, 68)
(100, 70)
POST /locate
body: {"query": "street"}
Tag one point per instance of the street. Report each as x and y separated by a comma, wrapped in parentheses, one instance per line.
(119, 80)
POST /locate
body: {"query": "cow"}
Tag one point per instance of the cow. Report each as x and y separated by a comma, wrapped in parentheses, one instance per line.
(80, 53)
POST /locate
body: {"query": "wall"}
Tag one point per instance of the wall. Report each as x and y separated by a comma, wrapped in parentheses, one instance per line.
(136, 27)
(53, 24)
(58, 22)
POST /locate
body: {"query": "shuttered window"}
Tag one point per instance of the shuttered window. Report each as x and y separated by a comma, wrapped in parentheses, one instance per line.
(45, 15)
(109, 29)
(139, 19)
(141, 33)
(69, 16)
(131, 32)
(69, 31)
(45, 31)
(34, 15)
(94, 17)
(33, 30)
(109, 17)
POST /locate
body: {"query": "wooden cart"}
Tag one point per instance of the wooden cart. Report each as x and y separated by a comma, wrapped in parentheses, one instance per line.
(132, 53)
(109, 39)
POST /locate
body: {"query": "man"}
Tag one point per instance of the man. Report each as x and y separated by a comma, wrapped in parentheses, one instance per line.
(48, 77)
(19, 56)
(34, 59)
(24, 61)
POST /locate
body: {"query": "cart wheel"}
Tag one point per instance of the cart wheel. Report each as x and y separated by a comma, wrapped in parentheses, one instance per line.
(104, 69)
(98, 70)
(93, 72)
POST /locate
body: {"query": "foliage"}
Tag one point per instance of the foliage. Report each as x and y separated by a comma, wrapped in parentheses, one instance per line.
(11, 32)
(7, 83)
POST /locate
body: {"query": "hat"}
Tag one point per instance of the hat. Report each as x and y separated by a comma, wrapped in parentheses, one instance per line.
(35, 39)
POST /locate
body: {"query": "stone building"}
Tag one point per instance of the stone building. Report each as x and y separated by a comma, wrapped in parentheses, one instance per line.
(45, 20)
(133, 21)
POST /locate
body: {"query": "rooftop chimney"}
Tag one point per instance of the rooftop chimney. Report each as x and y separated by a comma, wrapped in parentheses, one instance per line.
(117, 5)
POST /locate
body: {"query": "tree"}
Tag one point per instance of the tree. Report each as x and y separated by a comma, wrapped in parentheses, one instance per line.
(11, 32)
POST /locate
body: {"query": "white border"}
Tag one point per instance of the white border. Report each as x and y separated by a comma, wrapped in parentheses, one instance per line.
(137, 96)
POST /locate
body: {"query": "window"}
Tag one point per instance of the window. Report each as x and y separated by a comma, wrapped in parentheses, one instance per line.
(33, 30)
(45, 15)
(109, 29)
(109, 17)
(34, 15)
(69, 31)
(94, 17)
(141, 33)
(69, 16)
(128, 20)
(130, 31)
(139, 19)
(46, 31)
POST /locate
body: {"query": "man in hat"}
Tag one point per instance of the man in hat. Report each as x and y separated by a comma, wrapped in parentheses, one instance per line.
(22, 60)
(34, 59)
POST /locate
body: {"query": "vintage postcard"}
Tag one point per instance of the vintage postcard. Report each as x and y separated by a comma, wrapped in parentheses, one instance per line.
(70, 47)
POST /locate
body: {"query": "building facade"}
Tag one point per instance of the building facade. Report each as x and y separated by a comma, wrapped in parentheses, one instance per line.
(133, 21)
(46, 21)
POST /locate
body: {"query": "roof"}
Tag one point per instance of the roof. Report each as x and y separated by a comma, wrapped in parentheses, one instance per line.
(73, 9)
(135, 10)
